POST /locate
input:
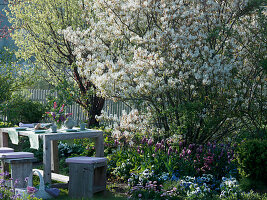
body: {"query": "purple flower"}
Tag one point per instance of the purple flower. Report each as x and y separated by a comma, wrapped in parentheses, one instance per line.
(191, 146)
(116, 142)
(143, 141)
(31, 190)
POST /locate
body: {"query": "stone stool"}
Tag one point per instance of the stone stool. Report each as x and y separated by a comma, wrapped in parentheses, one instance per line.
(21, 166)
(5, 150)
(87, 175)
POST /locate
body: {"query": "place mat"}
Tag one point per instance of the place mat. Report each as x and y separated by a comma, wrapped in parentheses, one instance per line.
(21, 128)
(71, 130)
(39, 131)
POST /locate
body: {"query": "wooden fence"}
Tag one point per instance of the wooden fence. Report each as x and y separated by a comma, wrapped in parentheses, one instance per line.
(78, 114)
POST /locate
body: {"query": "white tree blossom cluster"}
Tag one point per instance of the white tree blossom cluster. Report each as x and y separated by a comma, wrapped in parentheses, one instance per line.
(179, 58)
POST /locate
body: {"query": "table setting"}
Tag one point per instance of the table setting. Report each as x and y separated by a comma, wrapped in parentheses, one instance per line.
(35, 129)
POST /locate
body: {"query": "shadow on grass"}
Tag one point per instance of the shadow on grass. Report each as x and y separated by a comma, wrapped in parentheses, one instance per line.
(98, 196)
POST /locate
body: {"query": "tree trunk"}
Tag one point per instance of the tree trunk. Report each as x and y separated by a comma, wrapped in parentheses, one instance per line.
(95, 107)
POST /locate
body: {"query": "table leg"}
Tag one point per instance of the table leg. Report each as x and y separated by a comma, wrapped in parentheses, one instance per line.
(3, 139)
(47, 160)
(99, 146)
(54, 156)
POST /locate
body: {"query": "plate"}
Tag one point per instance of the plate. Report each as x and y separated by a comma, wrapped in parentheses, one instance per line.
(21, 128)
(39, 131)
(71, 130)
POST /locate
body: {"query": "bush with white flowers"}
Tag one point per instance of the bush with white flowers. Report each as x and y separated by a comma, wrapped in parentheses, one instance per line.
(182, 64)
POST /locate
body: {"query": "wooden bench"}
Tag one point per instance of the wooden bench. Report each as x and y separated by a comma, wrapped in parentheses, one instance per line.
(21, 166)
(87, 175)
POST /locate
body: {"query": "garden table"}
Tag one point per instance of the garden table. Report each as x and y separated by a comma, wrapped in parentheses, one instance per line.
(48, 139)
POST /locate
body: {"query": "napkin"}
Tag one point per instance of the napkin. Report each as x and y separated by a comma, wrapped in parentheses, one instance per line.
(34, 140)
(13, 135)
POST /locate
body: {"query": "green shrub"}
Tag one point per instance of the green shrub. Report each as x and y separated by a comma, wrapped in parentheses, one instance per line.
(5, 124)
(21, 109)
(252, 159)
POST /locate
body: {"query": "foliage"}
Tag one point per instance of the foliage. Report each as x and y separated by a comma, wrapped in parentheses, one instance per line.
(11, 79)
(182, 64)
(248, 184)
(5, 124)
(252, 159)
(21, 109)
(36, 34)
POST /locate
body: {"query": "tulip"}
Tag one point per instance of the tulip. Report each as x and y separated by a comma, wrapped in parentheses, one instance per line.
(169, 150)
(55, 105)
(31, 190)
(180, 144)
(62, 108)
(150, 142)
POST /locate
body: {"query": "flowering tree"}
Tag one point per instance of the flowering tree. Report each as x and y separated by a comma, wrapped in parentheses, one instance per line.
(36, 25)
(181, 63)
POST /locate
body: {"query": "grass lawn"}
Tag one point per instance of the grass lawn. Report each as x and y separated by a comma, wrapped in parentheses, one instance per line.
(112, 193)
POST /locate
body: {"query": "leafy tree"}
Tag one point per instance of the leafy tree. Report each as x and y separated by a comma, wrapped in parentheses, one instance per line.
(182, 64)
(37, 35)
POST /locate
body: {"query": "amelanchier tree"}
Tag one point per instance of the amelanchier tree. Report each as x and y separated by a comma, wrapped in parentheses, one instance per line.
(36, 24)
(182, 64)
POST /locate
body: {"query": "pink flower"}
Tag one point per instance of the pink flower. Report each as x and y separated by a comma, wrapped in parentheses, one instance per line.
(55, 105)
